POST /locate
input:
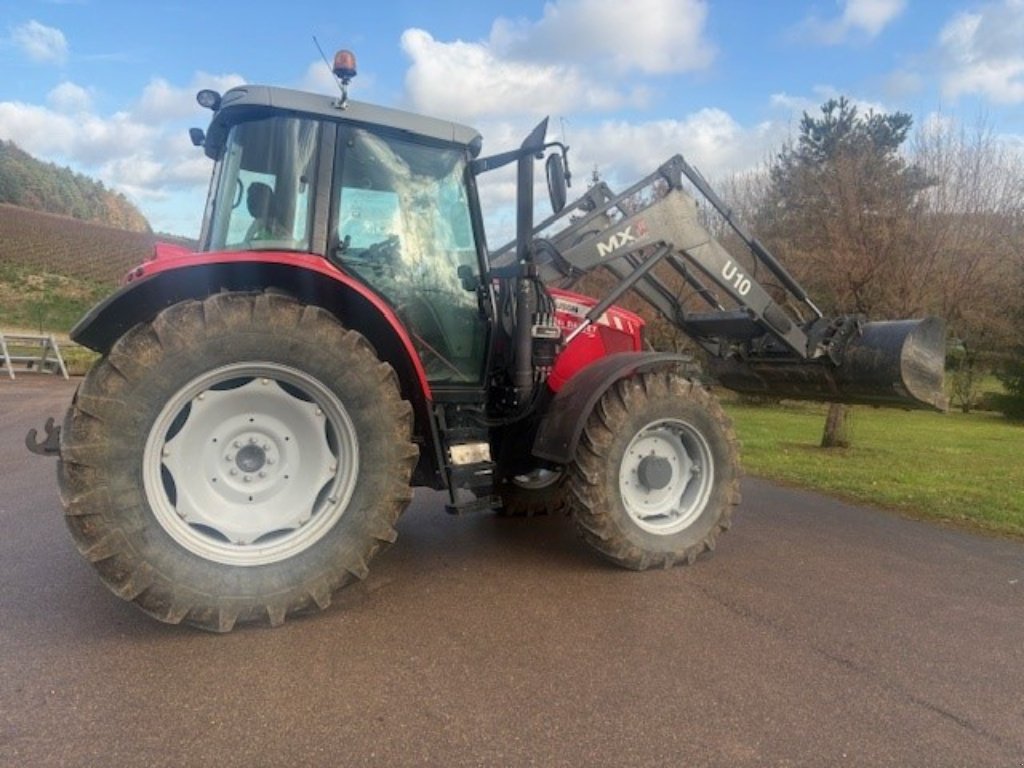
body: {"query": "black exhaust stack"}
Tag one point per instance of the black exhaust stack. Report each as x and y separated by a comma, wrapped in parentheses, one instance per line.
(532, 146)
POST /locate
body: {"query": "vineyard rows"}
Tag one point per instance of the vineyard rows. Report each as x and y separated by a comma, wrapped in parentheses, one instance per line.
(48, 244)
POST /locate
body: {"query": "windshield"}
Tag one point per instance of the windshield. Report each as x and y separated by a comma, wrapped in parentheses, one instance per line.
(264, 193)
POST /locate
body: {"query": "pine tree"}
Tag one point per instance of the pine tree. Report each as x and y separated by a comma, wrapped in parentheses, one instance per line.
(839, 208)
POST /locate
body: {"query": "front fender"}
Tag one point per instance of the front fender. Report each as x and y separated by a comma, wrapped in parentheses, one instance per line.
(558, 434)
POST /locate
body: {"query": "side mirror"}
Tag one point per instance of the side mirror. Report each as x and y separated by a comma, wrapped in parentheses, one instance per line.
(197, 136)
(556, 182)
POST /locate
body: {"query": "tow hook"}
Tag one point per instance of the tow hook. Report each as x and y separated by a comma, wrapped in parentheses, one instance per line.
(48, 447)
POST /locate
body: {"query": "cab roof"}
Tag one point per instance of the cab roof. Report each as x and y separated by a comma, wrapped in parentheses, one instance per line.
(258, 98)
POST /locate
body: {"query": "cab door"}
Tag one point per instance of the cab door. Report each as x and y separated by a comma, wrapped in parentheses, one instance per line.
(402, 224)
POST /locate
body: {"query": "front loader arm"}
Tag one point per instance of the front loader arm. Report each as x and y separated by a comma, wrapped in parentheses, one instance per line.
(671, 222)
(652, 231)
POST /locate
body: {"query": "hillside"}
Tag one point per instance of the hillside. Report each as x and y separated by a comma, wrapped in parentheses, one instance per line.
(31, 183)
(62, 245)
(53, 268)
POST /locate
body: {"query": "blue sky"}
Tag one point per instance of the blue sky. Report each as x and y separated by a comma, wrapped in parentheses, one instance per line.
(107, 86)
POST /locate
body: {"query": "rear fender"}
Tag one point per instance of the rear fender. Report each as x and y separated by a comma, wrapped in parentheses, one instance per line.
(311, 280)
(559, 431)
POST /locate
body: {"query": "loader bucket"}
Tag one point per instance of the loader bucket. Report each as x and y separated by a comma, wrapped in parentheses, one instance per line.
(898, 363)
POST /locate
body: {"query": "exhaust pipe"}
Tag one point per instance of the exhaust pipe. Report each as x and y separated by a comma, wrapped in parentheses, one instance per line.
(899, 362)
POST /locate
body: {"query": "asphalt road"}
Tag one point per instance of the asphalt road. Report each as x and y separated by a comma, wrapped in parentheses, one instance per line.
(818, 634)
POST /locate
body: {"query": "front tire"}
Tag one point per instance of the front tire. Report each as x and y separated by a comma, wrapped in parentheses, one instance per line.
(540, 491)
(236, 459)
(656, 475)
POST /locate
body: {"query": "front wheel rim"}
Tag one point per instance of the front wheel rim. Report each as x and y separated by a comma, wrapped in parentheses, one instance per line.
(537, 479)
(666, 476)
(251, 463)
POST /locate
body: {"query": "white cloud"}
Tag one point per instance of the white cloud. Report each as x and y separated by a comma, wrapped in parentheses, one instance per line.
(465, 81)
(38, 130)
(709, 139)
(576, 57)
(624, 152)
(982, 53)
(138, 175)
(42, 44)
(318, 78)
(161, 101)
(795, 106)
(859, 19)
(871, 16)
(649, 36)
(791, 103)
(70, 98)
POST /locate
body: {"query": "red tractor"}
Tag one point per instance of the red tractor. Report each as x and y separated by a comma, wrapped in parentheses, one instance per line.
(264, 406)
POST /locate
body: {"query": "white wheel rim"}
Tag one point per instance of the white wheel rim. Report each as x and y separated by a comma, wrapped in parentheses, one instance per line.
(250, 464)
(666, 476)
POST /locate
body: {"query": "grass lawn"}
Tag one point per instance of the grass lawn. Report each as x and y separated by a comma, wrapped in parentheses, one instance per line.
(965, 469)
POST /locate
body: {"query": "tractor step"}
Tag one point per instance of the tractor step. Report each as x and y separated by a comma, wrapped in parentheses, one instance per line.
(472, 476)
(486, 503)
(469, 468)
(471, 488)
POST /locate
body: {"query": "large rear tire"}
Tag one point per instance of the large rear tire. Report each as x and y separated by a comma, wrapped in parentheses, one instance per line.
(656, 475)
(236, 459)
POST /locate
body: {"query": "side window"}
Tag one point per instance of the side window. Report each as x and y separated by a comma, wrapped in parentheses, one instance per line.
(264, 197)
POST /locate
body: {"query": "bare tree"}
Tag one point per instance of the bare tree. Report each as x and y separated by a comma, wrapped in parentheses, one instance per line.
(873, 226)
(969, 234)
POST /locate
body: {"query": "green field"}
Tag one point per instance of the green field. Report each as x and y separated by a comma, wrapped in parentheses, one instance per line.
(966, 469)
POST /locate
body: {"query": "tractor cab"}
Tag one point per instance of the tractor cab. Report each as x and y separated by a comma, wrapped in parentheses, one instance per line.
(385, 196)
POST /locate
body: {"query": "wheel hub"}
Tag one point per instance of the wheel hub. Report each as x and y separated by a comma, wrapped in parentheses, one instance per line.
(654, 472)
(251, 457)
